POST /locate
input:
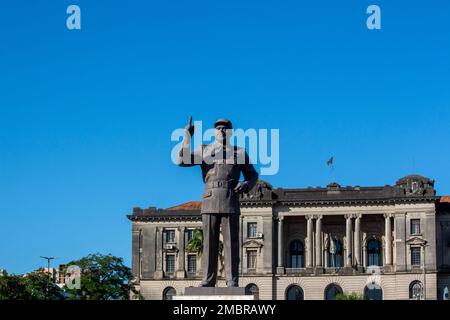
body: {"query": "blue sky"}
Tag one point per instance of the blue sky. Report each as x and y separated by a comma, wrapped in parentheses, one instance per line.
(86, 116)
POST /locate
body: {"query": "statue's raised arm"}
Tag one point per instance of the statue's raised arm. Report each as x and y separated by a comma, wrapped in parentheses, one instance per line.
(185, 156)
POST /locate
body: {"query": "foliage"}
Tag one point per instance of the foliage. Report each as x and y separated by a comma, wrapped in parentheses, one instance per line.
(103, 277)
(33, 286)
(351, 296)
(196, 245)
(12, 287)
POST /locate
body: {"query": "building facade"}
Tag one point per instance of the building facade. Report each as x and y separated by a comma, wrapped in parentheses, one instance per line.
(389, 242)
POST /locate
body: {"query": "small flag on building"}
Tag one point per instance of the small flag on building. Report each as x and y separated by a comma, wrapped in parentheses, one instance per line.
(330, 162)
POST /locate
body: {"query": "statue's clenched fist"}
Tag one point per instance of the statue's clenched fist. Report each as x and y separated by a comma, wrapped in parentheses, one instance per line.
(190, 127)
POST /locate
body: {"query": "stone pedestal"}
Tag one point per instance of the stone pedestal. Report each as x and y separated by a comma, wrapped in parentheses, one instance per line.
(359, 269)
(318, 271)
(281, 270)
(388, 269)
(348, 271)
(309, 270)
(215, 293)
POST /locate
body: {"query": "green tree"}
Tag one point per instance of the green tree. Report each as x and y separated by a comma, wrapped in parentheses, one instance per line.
(33, 286)
(103, 277)
(12, 287)
(196, 245)
(40, 286)
(351, 296)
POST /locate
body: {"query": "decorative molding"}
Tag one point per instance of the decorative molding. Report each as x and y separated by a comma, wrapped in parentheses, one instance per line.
(150, 218)
(356, 202)
(416, 241)
(252, 243)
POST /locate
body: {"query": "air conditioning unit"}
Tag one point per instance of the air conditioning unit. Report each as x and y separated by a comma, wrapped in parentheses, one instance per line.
(259, 235)
(170, 246)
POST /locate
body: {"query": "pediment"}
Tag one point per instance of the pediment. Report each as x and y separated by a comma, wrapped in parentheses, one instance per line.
(253, 243)
(416, 241)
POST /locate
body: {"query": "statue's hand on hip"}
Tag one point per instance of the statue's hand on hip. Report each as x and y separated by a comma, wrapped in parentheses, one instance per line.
(241, 187)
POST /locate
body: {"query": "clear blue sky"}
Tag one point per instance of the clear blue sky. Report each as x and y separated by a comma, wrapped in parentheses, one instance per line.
(86, 116)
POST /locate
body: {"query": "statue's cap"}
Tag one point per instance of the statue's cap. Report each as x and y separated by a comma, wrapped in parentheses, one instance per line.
(223, 122)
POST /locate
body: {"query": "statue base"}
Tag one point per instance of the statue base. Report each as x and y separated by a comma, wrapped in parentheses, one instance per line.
(215, 293)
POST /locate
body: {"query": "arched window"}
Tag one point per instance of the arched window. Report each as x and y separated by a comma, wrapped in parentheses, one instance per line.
(331, 291)
(445, 295)
(416, 290)
(253, 289)
(297, 254)
(374, 252)
(294, 292)
(335, 257)
(373, 292)
(168, 293)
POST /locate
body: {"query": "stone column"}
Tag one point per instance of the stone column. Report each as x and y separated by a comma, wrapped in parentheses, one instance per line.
(181, 255)
(136, 257)
(358, 240)
(400, 247)
(364, 252)
(319, 241)
(309, 241)
(159, 253)
(388, 239)
(267, 256)
(429, 233)
(348, 239)
(280, 264)
(241, 241)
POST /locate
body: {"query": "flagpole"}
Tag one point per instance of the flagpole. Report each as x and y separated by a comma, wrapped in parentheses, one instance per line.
(333, 173)
(330, 163)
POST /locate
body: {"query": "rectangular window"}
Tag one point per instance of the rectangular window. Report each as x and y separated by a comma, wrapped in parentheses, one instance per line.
(170, 236)
(415, 226)
(251, 230)
(61, 273)
(189, 235)
(192, 263)
(415, 256)
(251, 259)
(170, 263)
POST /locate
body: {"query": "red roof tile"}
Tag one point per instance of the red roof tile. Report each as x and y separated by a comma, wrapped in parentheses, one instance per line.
(191, 205)
(445, 199)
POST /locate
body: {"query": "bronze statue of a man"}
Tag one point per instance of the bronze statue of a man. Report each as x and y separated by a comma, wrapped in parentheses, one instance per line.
(221, 165)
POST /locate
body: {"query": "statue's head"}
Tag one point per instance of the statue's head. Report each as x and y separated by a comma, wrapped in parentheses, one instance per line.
(223, 130)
